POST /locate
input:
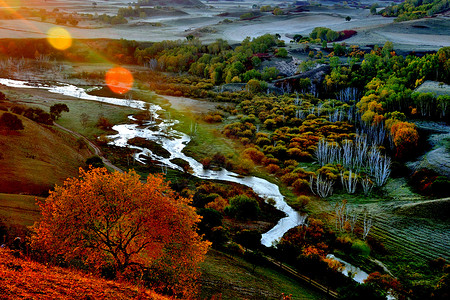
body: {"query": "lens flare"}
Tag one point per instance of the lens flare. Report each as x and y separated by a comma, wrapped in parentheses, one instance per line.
(12, 5)
(119, 80)
(59, 38)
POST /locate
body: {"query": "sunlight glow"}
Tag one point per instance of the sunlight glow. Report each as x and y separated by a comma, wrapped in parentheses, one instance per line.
(59, 38)
(119, 80)
(11, 5)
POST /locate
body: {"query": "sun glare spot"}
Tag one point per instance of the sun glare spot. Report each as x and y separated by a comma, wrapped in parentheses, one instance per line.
(11, 5)
(59, 38)
(119, 80)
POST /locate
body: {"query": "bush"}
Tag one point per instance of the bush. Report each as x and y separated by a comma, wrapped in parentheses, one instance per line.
(440, 186)
(104, 123)
(300, 203)
(248, 238)
(360, 248)
(11, 122)
(38, 115)
(243, 207)
(282, 52)
(95, 162)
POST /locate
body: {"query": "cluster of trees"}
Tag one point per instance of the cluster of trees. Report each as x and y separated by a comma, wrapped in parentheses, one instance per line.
(415, 9)
(113, 20)
(324, 34)
(217, 61)
(39, 115)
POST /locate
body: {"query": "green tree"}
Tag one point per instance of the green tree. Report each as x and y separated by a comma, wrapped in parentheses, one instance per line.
(282, 52)
(57, 109)
(243, 207)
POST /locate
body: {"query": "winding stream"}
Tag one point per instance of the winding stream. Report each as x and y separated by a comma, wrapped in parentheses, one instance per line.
(160, 131)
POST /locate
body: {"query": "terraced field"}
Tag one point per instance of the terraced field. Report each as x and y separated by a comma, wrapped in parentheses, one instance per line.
(418, 239)
(417, 236)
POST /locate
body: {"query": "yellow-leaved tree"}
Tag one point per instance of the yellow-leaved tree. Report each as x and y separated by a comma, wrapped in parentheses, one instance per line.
(114, 220)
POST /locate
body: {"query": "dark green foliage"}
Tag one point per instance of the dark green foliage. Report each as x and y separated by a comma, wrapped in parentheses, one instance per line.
(325, 34)
(211, 226)
(243, 207)
(200, 199)
(57, 109)
(248, 238)
(95, 162)
(297, 38)
(415, 9)
(440, 186)
(255, 258)
(360, 291)
(210, 218)
(38, 115)
(11, 122)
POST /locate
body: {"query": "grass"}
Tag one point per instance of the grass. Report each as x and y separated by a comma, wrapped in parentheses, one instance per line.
(26, 279)
(72, 119)
(233, 278)
(19, 209)
(36, 158)
(434, 87)
(208, 139)
(95, 110)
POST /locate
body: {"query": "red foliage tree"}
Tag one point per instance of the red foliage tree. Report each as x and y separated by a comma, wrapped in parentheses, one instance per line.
(115, 219)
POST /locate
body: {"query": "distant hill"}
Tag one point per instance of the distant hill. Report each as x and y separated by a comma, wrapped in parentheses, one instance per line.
(416, 9)
(24, 279)
(33, 160)
(174, 3)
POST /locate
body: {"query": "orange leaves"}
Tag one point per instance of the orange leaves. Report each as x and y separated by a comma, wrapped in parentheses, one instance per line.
(106, 217)
(405, 137)
(23, 279)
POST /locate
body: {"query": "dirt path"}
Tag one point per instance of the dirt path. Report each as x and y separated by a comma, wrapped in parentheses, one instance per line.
(96, 149)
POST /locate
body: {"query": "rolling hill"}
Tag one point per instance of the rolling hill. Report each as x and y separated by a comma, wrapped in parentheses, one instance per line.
(25, 279)
(33, 160)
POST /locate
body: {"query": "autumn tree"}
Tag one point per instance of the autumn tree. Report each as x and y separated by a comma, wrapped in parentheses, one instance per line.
(405, 137)
(116, 220)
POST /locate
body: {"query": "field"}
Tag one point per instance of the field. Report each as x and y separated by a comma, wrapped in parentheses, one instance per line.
(434, 87)
(208, 24)
(234, 278)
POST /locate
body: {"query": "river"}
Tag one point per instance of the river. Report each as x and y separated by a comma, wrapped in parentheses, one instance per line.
(161, 131)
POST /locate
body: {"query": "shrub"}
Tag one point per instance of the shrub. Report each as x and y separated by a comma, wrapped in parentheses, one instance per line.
(360, 248)
(243, 207)
(38, 115)
(301, 202)
(11, 122)
(95, 162)
(273, 169)
(248, 238)
(104, 123)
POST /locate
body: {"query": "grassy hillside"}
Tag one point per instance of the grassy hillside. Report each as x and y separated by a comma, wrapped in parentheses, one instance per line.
(234, 278)
(18, 209)
(33, 160)
(23, 279)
